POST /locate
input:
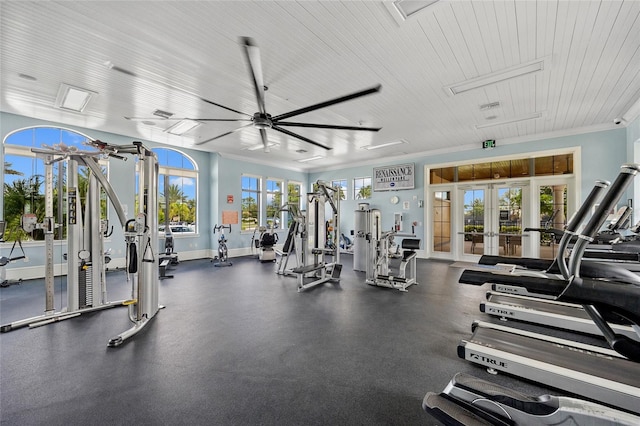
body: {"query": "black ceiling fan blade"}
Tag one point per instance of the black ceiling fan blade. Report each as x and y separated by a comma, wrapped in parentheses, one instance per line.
(184, 118)
(326, 126)
(220, 119)
(365, 92)
(265, 141)
(171, 86)
(224, 107)
(302, 138)
(252, 54)
(224, 134)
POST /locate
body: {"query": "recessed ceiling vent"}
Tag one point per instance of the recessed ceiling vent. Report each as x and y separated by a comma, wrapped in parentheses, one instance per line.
(490, 105)
(163, 114)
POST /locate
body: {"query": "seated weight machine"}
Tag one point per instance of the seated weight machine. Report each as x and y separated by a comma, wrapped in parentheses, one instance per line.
(293, 245)
(378, 251)
(222, 259)
(264, 243)
(168, 257)
(321, 259)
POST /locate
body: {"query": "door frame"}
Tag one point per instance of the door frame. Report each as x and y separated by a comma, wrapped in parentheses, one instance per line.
(491, 221)
(530, 245)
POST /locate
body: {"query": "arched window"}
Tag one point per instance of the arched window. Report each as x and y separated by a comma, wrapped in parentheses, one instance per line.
(178, 191)
(24, 178)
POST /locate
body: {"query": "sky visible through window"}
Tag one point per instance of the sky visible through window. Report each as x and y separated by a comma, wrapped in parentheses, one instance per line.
(177, 160)
(35, 138)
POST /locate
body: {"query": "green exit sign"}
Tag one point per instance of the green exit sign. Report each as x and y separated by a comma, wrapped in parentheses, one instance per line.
(488, 144)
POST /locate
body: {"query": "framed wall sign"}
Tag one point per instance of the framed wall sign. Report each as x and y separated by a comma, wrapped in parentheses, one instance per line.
(393, 178)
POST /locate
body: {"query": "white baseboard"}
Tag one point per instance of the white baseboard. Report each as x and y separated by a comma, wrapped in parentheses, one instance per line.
(15, 272)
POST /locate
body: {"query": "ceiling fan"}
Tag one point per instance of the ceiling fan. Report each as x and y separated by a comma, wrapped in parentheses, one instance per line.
(262, 120)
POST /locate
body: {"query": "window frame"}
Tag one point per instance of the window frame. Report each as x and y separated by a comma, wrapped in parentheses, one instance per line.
(357, 188)
(181, 173)
(258, 198)
(344, 190)
(23, 150)
(268, 193)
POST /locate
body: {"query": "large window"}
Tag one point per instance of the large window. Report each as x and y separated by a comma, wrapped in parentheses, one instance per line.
(250, 202)
(178, 189)
(293, 197)
(24, 179)
(342, 185)
(362, 188)
(274, 203)
(524, 167)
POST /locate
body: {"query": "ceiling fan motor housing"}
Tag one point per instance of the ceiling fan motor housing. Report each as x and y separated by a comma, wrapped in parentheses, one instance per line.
(262, 120)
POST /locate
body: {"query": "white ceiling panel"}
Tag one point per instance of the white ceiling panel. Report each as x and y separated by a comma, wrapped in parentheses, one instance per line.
(185, 57)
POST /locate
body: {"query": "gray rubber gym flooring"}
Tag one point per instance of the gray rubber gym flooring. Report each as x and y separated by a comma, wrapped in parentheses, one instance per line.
(240, 346)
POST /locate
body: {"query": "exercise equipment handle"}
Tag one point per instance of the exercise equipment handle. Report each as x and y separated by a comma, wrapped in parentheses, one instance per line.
(616, 190)
(575, 222)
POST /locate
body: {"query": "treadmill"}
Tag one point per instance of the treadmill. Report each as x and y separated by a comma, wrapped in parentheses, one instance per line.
(546, 312)
(611, 377)
(470, 401)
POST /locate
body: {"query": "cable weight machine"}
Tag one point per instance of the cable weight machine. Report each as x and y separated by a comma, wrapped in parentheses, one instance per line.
(86, 281)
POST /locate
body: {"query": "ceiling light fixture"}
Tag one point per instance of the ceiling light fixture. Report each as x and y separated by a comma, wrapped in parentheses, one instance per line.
(509, 121)
(384, 145)
(496, 77)
(73, 98)
(304, 160)
(182, 127)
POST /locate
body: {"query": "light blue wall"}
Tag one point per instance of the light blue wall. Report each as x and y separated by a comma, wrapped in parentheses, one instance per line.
(379, 200)
(602, 155)
(228, 183)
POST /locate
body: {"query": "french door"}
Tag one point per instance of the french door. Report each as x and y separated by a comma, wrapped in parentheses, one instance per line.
(491, 218)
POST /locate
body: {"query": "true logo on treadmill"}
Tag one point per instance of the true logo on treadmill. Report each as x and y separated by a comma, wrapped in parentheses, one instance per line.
(506, 289)
(486, 360)
(499, 311)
